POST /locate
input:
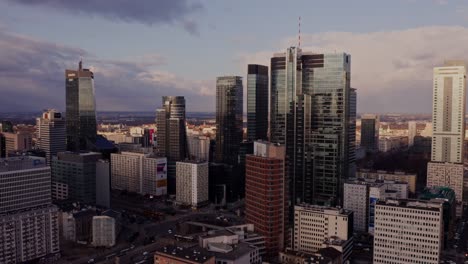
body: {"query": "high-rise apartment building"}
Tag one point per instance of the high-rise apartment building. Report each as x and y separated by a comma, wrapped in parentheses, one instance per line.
(51, 133)
(139, 173)
(28, 220)
(265, 194)
(6, 126)
(74, 176)
(408, 231)
(192, 183)
(315, 225)
(448, 128)
(313, 113)
(412, 132)
(171, 136)
(370, 132)
(448, 116)
(80, 109)
(257, 102)
(229, 108)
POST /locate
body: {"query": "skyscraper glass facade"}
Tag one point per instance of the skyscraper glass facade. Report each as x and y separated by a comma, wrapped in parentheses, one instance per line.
(313, 114)
(229, 107)
(257, 102)
(80, 109)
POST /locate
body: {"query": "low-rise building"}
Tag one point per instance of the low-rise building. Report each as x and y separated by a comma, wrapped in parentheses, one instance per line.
(397, 176)
(316, 227)
(180, 255)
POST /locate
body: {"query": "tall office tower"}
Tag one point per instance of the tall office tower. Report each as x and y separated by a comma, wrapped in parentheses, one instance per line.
(74, 176)
(139, 173)
(448, 129)
(51, 133)
(199, 147)
(171, 134)
(313, 113)
(370, 132)
(192, 183)
(315, 227)
(28, 220)
(80, 109)
(412, 132)
(229, 107)
(257, 102)
(417, 236)
(265, 193)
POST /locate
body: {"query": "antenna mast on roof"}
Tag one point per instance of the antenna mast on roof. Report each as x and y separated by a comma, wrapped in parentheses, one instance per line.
(299, 32)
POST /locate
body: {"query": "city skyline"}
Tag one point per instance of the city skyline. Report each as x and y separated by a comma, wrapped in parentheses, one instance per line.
(148, 70)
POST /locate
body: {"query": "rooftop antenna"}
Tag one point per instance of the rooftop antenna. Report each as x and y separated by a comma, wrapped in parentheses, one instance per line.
(299, 32)
(80, 65)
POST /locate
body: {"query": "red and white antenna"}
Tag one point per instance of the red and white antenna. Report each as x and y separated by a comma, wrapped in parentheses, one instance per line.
(299, 31)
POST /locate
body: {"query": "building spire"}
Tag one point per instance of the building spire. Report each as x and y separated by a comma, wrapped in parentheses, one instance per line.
(80, 65)
(299, 36)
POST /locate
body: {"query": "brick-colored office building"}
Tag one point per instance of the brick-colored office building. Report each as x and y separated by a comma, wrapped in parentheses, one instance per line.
(265, 194)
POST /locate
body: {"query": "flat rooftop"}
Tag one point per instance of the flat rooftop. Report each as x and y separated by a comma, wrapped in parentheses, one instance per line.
(195, 254)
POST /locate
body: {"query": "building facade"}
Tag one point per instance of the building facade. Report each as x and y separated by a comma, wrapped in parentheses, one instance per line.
(192, 183)
(447, 174)
(313, 113)
(417, 236)
(51, 133)
(199, 147)
(74, 176)
(139, 173)
(315, 225)
(171, 139)
(448, 114)
(265, 194)
(229, 108)
(17, 141)
(397, 176)
(257, 102)
(104, 231)
(28, 220)
(370, 132)
(81, 124)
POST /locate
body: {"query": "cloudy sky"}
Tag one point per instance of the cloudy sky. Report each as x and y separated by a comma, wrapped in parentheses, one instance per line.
(141, 50)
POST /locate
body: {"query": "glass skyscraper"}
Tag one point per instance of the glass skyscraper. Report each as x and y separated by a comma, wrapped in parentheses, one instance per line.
(171, 139)
(81, 109)
(257, 102)
(313, 112)
(229, 107)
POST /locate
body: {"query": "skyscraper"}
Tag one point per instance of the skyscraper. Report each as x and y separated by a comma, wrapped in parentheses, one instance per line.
(229, 107)
(80, 109)
(171, 138)
(51, 133)
(448, 129)
(257, 102)
(370, 132)
(265, 192)
(448, 115)
(313, 112)
(412, 132)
